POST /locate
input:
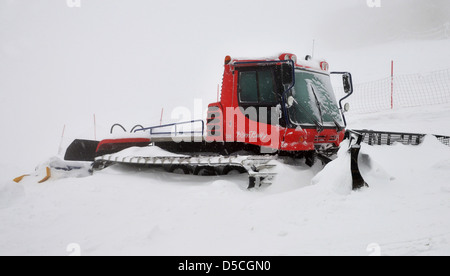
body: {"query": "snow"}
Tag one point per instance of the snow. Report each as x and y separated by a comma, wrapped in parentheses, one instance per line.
(9, 193)
(124, 135)
(336, 176)
(429, 120)
(126, 211)
(152, 151)
(108, 59)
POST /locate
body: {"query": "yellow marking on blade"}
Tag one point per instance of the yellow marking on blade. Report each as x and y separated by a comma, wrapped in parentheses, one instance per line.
(47, 177)
(18, 179)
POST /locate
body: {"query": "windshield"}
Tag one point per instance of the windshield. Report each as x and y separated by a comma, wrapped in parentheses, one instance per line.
(314, 100)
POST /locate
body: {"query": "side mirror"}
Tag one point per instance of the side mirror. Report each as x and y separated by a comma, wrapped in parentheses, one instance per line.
(348, 89)
(347, 107)
(287, 76)
(347, 81)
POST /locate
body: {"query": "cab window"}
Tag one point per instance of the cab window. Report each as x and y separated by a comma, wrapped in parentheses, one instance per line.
(257, 87)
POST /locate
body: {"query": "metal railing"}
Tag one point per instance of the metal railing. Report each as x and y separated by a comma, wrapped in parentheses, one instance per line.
(389, 138)
(176, 126)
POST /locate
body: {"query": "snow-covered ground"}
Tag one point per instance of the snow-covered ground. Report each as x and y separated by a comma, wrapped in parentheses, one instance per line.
(431, 119)
(111, 60)
(405, 211)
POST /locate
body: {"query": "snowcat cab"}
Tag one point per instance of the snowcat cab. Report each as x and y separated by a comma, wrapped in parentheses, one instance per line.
(278, 105)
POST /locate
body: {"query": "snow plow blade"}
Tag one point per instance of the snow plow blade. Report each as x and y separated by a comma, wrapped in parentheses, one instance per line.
(355, 147)
(358, 180)
(81, 150)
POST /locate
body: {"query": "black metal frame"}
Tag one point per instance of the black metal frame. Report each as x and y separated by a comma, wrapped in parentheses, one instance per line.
(119, 125)
(175, 125)
(348, 95)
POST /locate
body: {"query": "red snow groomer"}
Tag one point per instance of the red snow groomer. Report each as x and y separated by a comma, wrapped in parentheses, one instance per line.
(271, 108)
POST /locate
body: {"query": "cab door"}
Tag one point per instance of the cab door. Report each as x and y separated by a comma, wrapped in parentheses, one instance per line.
(259, 106)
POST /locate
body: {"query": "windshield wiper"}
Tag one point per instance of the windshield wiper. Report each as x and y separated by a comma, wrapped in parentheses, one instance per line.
(319, 126)
(318, 104)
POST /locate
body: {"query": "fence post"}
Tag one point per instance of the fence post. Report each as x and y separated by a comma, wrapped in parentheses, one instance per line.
(162, 113)
(95, 128)
(392, 84)
(60, 143)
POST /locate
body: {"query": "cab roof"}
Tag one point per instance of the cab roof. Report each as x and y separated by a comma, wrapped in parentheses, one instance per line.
(307, 63)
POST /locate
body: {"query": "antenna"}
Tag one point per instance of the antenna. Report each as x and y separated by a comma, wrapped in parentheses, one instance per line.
(162, 113)
(95, 128)
(313, 46)
(61, 142)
